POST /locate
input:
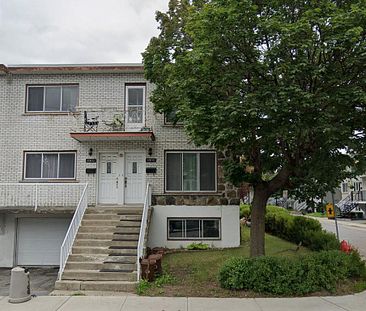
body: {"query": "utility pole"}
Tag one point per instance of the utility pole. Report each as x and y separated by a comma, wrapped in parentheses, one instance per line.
(335, 216)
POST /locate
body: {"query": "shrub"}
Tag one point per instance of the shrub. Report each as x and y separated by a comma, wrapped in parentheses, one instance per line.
(296, 229)
(245, 210)
(198, 246)
(284, 276)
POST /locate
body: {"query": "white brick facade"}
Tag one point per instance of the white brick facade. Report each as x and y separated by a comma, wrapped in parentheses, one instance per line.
(101, 94)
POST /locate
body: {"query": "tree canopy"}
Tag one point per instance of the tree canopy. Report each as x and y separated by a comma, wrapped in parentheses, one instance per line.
(278, 85)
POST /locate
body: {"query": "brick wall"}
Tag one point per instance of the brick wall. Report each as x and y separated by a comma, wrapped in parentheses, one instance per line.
(99, 94)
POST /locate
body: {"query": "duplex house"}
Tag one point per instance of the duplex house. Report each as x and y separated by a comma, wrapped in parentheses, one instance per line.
(353, 201)
(90, 175)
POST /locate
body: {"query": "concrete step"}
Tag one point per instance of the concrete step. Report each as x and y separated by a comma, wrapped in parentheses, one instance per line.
(82, 265)
(88, 258)
(115, 286)
(107, 236)
(105, 229)
(88, 250)
(96, 223)
(115, 210)
(95, 236)
(105, 243)
(121, 259)
(128, 223)
(104, 216)
(110, 222)
(119, 266)
(95, 275)
(127, 230)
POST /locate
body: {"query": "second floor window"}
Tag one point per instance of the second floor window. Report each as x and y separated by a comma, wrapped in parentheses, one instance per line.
(49, 165)
(135, 104)
(52, 98)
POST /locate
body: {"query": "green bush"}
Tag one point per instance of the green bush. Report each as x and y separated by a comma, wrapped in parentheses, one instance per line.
(198, 246)
(245, 210)
(299, 229)
(284, 276)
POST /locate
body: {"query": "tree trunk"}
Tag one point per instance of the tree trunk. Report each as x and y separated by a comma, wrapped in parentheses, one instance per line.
(257, 228)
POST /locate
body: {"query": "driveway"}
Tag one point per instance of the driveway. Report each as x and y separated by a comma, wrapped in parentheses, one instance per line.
(352, 231)
(42, 280)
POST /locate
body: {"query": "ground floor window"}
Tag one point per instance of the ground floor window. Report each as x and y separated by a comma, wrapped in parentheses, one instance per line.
(49, 165)
(188, 171)
(194, 228)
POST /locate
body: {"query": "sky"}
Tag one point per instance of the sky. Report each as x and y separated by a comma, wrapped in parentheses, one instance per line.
(76, 31)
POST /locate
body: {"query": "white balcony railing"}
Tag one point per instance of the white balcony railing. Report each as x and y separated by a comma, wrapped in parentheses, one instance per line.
(358, 196)
(35, 195)
(141, 246)
(66, 246)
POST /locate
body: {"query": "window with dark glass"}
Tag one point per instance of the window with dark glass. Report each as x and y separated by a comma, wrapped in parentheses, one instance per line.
(194, 228)
(49, 165)
(190, 171)
(171, 117)
(55, 98)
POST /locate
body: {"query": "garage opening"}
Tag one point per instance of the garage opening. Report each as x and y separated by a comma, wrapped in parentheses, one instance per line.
(39, 240)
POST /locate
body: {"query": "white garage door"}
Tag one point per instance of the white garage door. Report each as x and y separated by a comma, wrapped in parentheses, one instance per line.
(39, 240)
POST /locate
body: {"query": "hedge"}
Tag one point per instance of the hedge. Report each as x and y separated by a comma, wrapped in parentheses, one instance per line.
(296, 229)
(284, 276)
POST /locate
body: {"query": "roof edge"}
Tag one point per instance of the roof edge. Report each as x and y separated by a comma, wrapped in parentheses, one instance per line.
(72, 68)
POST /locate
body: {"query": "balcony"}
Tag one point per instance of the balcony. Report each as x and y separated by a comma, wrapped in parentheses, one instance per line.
(113, 125)
(39, 196)
(358, 196)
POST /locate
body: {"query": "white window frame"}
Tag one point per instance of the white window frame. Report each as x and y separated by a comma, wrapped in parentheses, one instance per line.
(357, 186)
(198, 171)
(345, 188)
(58, 164)
(136, 126)
(200, 219)
(44, 98)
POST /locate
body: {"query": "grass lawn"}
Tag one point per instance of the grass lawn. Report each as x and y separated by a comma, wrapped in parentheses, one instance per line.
(317, 214)
(194, 273)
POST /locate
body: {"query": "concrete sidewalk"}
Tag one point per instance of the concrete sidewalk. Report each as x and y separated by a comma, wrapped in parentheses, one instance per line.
(355, 302)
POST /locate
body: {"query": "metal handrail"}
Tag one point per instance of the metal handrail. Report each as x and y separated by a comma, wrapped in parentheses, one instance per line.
(66, 247)
(141, 247)
(344, 201)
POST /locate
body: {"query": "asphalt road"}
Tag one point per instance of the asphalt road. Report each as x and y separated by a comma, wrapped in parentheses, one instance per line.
(353, 232)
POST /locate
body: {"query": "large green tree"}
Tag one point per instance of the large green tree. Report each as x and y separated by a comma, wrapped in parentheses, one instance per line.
(278, 85)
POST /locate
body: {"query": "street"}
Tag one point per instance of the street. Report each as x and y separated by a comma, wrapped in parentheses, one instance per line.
(353, 232)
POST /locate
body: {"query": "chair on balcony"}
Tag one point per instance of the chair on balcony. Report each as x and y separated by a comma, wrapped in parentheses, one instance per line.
(90, 124)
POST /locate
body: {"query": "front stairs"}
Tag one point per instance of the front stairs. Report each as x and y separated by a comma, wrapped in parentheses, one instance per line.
(104, 253)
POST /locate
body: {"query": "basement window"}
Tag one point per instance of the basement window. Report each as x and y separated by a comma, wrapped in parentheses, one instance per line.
(194, 228)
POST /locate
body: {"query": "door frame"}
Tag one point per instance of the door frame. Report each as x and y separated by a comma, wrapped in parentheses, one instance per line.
(121, 154)
(121, 167)
(143, 152)
(134, 86)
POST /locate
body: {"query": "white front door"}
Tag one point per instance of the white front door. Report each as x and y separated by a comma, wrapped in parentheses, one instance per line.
(110, 178)
(134, 177)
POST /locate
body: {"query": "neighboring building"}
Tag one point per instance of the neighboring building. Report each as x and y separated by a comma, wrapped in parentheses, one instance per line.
(64, 126)
(353, 202)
